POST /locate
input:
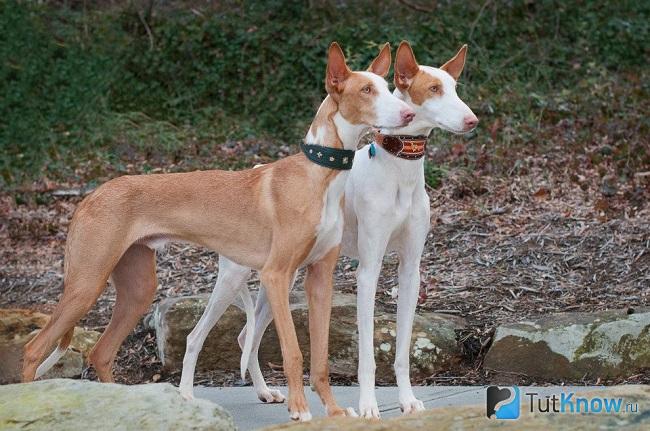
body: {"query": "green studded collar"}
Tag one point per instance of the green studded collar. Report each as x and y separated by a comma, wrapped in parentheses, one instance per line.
(333, 158)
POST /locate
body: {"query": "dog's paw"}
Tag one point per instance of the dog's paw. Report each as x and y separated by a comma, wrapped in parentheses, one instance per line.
(340, 412)
(270, 396)
(187, 394)
(300, 416)
(350, 412)
(368, 409)
(411, 405)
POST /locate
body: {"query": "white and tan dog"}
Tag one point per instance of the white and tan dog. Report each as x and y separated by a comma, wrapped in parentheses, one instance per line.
(276, 219)
(386, 209)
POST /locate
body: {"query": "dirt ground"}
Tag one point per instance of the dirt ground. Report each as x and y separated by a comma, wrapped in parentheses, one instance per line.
(557, 235)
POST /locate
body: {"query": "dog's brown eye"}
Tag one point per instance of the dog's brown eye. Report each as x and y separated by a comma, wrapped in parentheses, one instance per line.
(435, 89)
(366, 89)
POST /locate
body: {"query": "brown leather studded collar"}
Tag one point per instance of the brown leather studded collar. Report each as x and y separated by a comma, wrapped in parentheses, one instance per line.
(403, 146)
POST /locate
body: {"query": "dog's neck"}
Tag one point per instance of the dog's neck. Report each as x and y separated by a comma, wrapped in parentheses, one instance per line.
(330, 129)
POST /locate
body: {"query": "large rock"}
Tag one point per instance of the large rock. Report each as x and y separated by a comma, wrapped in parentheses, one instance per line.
(81, 405)
(18, 326)
(474, 418)
(434, 345)
(573, 345)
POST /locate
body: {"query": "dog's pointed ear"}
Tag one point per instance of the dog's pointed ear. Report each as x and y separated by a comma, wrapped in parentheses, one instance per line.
(337, 69)
(406, 67)
(381, 64)
(455, 66)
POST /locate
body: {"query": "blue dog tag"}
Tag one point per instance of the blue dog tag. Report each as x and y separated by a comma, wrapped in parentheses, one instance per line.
(372, 151)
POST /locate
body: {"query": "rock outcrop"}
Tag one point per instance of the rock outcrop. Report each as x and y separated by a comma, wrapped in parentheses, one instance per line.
(65, 405)
(434, 346)
(18, 326)
(573, 345)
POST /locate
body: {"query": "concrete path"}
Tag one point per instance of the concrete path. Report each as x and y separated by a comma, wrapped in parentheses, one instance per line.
(250, 414)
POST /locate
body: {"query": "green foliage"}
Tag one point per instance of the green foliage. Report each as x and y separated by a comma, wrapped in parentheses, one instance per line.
(433, 174)
(78, 84)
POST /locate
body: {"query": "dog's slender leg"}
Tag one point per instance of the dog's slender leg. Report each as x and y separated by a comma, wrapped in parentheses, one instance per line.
(78, 297)
(409, 288)
(93, 249)
(276, 277)
(318, 286)
(372, 245)
(57, 354)
(134, 278)
(232, 277)
(263, 318)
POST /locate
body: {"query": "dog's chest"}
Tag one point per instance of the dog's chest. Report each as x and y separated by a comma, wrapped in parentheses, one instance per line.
(402, 200)
(396, 194)
(330, 228)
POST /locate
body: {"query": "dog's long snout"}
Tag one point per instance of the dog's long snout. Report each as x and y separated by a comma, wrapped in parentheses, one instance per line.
(470, 121)
(408, 115)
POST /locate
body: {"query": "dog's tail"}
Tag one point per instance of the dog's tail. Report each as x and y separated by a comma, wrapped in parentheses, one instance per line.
(56, 354)
(249, 309)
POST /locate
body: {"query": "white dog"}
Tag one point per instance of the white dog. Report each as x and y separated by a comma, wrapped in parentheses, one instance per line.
(386, 209)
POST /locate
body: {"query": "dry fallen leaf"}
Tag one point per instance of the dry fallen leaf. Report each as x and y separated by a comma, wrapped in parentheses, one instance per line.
(542, 193)
(494, 129)
(458, 149)
(601, 205)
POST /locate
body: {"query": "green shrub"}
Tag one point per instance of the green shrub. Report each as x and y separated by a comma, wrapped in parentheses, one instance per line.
(78, 83)
(433, 174)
